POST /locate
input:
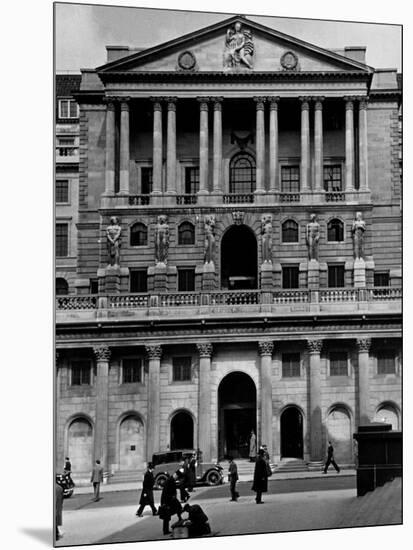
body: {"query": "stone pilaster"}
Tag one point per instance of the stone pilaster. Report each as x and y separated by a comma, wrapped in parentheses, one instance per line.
(102, 355)
(349, 180)
(217, 146)
(171, 147)
(154, 353)
(305, 144)
(273, 149)
(363, 347)
(363, 156)
(315, 428)
(124, 158)
(265, 349)
(204, 401)
(203, 145)
(110, 148)
(260, 143)
(318, 144)
(157, 148)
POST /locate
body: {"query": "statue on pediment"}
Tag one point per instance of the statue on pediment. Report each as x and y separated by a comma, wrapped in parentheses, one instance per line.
(312, 234)
(113, 240)
(239, 47)
(266, 238)
(161, 240)
(209, 239)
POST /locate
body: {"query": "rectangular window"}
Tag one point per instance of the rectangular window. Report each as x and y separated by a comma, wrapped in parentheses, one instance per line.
(290, 179)
(62, 239)
(146, 180)
(290, 365)
(181, 367)
(382, 279)
(335, 276)
(386, 362)
(191, 180)
(94, 286)
(80, 373)
(186, 279)
(338, 363)
(131, 370)
(290, 276)
(62, 191)
(138, 280)
(68, 108)
(332, 178)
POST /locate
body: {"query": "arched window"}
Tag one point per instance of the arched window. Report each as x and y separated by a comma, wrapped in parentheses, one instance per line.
(138, 235)
(242, 173)
(290, 231)
(62, 287)
(335, 230)
(186, 233)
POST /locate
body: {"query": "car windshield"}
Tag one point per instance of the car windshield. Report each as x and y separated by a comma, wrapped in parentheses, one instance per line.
(165, 458)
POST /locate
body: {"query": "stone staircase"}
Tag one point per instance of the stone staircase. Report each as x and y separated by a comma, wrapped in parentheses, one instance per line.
(293, 465)
(126, 476)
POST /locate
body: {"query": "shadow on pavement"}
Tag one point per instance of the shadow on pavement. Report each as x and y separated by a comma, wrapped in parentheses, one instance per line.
(41, 534)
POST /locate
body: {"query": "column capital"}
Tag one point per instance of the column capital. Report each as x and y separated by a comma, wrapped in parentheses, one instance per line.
(318, 102)
(102, 353)
(154, 351)
(259, 100)
(363, 102)
(273, 101)
(124, 103)
(203, 103)
(171, 103)
(110, 103)
(157, 105)
(217, 103)
(305, 102)
(204, 349)
(314, 346)
(349, 101)
(363, 344)
(266, 347)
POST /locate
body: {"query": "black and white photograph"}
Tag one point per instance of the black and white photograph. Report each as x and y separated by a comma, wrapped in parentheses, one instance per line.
(227, 274)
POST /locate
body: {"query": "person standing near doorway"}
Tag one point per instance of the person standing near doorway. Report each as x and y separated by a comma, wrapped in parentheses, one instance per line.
(330, 459)
(96, 478)
(233, 478)
(260, 484)
(192, 473)
(253, 447)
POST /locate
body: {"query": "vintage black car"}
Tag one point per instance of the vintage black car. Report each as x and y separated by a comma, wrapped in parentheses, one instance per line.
(169, 462)
(67, 484)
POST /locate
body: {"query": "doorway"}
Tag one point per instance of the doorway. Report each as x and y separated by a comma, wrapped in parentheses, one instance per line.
(291, 433)
(237, 414)
(239, 259)
(182, 431)
(131, 443)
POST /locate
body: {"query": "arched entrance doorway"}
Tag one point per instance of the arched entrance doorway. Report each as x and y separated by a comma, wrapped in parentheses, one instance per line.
(339, 432)
(237, 414)
(131, 443)
(80, 444)
(182, 431)
(239, 258)
(386, 412)
(291, 433)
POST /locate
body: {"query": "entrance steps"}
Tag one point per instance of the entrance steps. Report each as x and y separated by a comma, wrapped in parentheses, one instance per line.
(292, 465)
(126, 476)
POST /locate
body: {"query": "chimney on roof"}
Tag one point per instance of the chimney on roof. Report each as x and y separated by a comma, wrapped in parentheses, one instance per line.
(357, 53)
(116, 52)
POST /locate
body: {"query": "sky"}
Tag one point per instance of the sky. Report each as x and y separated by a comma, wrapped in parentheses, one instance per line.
(83, 31)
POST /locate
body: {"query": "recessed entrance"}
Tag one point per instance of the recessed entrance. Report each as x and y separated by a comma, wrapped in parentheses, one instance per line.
(239, 258)
(291, 433)
(182, 431)
(237, 414)
(131, 443)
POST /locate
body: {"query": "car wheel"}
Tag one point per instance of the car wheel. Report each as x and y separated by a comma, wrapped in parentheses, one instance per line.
(213, 477)
(68, 493)
(160, 481)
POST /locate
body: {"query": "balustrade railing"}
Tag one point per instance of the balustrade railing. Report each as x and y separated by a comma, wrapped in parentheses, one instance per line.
(238, 198)
(139, 200)
(76, 302)
(339, 295)
(290, 296)
(235, 297)
(186, 199)
(289, 197)
(67, 151)
(335, 196)
(179, 299)
(120, 301)
(385, 293)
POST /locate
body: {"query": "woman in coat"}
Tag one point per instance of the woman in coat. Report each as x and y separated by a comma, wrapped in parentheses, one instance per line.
(260, 484)
(170, 505)
(253, 447)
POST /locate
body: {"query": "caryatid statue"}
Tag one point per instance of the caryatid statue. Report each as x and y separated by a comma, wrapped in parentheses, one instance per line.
(161, 240)
(239, 47)
(113, 240)
(266, 238)
(209, 239)
(358, 229)
(312, 236)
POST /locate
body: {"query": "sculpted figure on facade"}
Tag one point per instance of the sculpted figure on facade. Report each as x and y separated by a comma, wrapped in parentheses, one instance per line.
(161, 240)
(209, 239)
(358, 229)
(113, 240)
(313, 237)
(266, 238)
(239, 47)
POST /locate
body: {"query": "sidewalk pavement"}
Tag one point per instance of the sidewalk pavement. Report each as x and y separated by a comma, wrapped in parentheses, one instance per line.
(137, 485)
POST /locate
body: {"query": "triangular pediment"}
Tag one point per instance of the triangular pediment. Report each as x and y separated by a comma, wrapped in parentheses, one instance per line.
(236, 45)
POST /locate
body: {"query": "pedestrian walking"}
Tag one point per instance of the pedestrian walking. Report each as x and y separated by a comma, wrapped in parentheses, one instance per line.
(253, 447)
(96, 478)
(197, 521)
(59, 509)
(260, 484)
(170, 505)
(68, 466)
(147, 492)
(233, 478)
(192, 473)
(330, 459)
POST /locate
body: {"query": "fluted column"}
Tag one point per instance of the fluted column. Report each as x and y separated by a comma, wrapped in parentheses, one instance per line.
(153, 419)
(266, 349)
(171, 147)
(124, 158)
(100, 451)
(305, 144)
(204, 402)
(157, 148)
(260, 143)
(318, 144)
(217, 146)
(110, 148)
(349, 185)
(273, 149)
(316, 451)
(203, 145)
(363, 156)
(363, 346)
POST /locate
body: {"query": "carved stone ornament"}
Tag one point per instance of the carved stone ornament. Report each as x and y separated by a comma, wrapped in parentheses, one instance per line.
(314, 346)
(113, 241)
(204, 350)
(102, 353)
(266, 348)
(289, 61)
(209, 247)
(364, 344)
(312, 234)
(358, 230)
(266, 238)
(154, 352)
(242, 141)
(239, 48)
(161, 240)
(187, 61)
(238, 217)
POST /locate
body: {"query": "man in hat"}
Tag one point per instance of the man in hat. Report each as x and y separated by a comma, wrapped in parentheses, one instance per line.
(147, 492)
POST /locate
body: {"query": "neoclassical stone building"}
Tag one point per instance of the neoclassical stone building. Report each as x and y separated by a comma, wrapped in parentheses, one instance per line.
(239, 211)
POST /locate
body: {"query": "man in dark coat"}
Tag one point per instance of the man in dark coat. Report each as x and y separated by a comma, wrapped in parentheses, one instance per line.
(182, 479)
(147, 492)
(233, 478)
(330, 459)
(170, 505)
(59, 508)
(96, 478)
(192, 473)
(260, 484)
(197, 522)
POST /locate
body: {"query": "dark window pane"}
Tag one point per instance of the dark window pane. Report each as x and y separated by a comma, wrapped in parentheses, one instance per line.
(74, 113)
(290, 365)
(62, 287)
(64, 108)
(186, 280)
(290, 232)
(138, 235)
(242, 174)
(62, 234)
(191, 180)
(335, 230)
(290, 276)
(138, 280)
(386, 363)
(181, 369)
(290, 179)
(131, 370)
(62, 190)
(186, 233)
(335, 276)
(338, 363)
(146, 180)
(382, 279)
(94, 286)
(332, 178)
(81, 373)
